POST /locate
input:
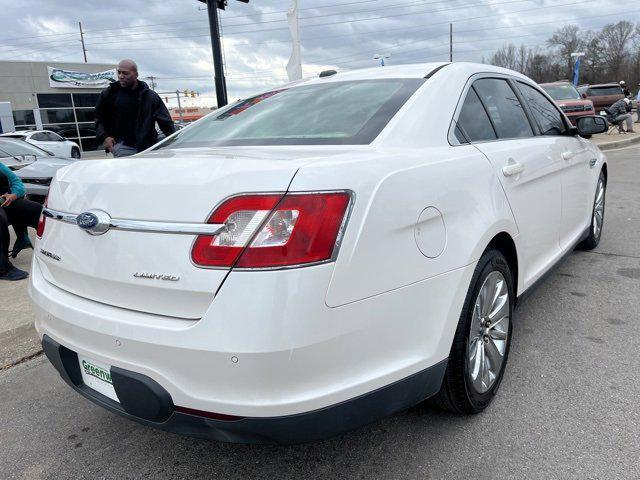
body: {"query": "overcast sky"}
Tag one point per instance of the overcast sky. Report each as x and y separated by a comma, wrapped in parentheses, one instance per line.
(170, 38)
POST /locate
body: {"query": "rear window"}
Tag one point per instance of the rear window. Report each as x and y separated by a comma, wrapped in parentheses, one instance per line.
(601, 91)
(334, 113)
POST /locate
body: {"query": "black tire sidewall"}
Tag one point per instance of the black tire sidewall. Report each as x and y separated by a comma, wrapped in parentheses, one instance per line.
(491, 261)
(75, 153)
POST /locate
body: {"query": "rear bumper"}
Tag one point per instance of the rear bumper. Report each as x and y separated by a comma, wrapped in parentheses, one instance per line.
(269, 350)
(145, 401)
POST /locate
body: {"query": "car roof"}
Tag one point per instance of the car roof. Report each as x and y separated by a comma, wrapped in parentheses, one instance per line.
(415, 70)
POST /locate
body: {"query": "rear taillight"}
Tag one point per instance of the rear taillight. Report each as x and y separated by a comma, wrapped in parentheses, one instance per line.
(42, 222)
(267, 231)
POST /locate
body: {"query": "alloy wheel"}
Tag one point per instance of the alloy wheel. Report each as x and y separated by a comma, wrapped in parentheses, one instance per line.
(598, 210)
(489, 332)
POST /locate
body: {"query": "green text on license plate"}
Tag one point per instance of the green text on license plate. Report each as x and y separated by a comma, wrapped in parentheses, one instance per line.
(97, 376)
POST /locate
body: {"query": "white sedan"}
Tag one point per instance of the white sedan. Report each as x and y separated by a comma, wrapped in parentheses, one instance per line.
(49, 141)
(316, 257)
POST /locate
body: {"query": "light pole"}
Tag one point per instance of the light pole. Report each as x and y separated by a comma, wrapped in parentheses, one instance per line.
(381, 57)
(221, 84)
(576, 67)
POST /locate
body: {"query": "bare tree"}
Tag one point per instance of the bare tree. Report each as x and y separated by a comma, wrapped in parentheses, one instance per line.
(616, 40)
(567, 41)
(611, 54)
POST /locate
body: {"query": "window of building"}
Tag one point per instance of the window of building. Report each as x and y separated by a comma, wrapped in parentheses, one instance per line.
(54, 100)
(57, 116)
(85, 99)
(85, 114)
(504, 108)
(23, 117)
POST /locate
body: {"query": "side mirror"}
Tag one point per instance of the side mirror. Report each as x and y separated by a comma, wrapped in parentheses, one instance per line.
(584, 95)
(591, 125)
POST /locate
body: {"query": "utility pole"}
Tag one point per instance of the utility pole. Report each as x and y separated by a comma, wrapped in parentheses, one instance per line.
(451, 42)
(214, 28)
(84, 50)
(152, 81)
(179, 106)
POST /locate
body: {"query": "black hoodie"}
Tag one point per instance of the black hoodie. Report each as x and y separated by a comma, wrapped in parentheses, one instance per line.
(151, 109)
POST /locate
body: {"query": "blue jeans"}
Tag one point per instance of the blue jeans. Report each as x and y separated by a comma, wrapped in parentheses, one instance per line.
(122, 150)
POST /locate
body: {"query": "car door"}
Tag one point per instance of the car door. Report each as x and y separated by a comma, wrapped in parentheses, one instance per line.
(62, 146)
(574, 154)
(528, 173)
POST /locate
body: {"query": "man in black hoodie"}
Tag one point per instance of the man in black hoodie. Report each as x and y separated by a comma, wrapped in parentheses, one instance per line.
(127, 112)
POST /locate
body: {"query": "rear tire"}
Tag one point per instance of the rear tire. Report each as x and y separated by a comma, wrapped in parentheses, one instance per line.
(481, 344)
(75, 153)
(597, 216)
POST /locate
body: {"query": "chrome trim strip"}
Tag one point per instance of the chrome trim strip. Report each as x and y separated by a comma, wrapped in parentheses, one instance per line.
(145, 226)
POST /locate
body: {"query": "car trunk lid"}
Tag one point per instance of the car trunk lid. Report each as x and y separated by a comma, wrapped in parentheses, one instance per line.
(153, 272)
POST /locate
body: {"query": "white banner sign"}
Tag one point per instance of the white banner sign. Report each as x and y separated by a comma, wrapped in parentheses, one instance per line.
(59, 78)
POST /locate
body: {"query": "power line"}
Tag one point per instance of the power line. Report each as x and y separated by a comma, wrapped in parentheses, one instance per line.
(349, 21)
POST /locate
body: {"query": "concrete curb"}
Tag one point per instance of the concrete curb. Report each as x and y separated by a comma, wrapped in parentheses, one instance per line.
(619, 143)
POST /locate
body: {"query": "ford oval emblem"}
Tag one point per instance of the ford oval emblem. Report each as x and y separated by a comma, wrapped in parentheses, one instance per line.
(87, 220)
(94, 222)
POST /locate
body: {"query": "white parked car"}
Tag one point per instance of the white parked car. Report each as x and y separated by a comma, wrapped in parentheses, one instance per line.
(49, 141)
(316, 257)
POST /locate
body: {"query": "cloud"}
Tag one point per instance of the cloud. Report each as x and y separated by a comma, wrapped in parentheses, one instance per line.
(170, 38)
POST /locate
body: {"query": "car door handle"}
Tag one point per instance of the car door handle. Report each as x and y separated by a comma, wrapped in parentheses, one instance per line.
(512, 168)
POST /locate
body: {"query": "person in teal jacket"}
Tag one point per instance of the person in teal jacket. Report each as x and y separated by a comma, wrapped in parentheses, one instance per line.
(18, 211)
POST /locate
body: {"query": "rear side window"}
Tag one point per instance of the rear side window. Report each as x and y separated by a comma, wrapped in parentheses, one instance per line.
(473, 121)
(39, 137)
(546, 114)
(504, 108)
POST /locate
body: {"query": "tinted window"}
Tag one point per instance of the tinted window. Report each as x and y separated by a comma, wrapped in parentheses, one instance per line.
(562, 92)
(546, 114)
(54, 100)
(85, 99)
(53, 137)
(600, 91)
(332, 113)
(504, 108)
(85, 115)
(473, 120)
(57, 116)
(23, 117)
(39, 137)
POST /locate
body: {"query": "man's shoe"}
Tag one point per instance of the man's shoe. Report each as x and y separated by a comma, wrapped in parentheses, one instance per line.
(14, 274)
(21, 244)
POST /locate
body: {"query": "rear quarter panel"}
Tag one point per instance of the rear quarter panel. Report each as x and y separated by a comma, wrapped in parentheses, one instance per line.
(379, 252)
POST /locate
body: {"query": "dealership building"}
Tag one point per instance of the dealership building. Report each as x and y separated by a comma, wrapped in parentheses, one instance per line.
(53, 96)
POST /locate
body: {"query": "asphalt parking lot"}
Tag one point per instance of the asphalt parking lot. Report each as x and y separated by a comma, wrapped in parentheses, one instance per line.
(567, 408)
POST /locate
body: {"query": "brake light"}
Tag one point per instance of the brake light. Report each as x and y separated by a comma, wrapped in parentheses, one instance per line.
(265, 231)
(43, 220)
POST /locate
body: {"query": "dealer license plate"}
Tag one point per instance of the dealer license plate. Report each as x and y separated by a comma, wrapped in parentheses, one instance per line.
(97, 376)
